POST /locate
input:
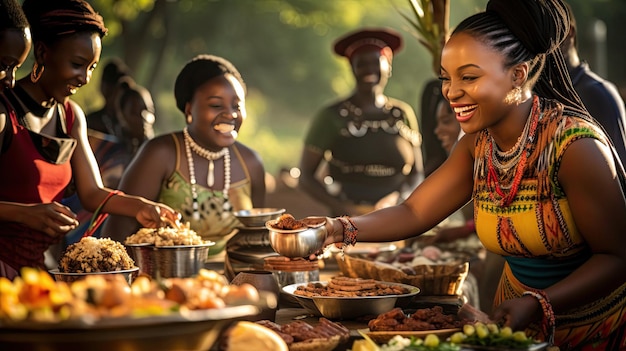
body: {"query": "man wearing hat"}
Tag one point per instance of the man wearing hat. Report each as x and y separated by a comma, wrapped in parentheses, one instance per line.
(363, 151)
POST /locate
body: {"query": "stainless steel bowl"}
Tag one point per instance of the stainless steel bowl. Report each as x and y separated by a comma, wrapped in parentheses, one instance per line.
(294, 243)
(169, 261)
(335, 307)
(256, 217)
(129, 275)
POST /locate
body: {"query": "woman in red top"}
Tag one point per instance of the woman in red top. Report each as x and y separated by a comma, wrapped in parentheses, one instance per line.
(44, 139)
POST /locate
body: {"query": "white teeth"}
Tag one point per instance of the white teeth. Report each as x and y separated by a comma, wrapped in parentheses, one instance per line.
(370, 78)
(464, 108)
(224, 127)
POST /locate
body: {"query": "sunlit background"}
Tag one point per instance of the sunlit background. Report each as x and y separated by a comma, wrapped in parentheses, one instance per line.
(283, 50)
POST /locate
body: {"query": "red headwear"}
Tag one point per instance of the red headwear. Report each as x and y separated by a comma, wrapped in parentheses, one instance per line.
(384, 40)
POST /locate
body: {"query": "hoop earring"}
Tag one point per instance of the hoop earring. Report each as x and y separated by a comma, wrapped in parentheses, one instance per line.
(189, 119)
(514, 96)
(36, 73)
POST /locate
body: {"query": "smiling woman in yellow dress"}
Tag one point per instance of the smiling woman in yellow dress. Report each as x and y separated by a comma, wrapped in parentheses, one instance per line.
(547, 185)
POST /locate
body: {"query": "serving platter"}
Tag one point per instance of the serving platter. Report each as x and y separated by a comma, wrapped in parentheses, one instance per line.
(184, 330)
(383, 337)
(339, 307)
(533, 347)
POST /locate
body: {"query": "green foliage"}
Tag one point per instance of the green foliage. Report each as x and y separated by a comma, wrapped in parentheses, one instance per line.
(282, 48)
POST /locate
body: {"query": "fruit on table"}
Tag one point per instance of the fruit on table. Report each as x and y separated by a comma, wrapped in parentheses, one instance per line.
(491, 335)
(35, 296)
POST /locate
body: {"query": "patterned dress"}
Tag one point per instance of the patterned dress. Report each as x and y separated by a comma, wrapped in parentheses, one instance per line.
(217, 220)
(537, 235)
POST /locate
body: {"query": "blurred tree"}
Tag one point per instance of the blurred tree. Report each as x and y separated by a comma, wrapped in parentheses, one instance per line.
(283, 49)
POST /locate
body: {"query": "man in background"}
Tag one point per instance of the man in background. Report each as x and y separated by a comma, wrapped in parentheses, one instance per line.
(601, 97)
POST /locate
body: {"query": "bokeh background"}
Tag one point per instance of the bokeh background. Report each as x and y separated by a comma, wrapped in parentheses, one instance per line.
(283, 50)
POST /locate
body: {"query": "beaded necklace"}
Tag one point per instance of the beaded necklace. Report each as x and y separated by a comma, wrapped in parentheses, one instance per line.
(211, 156)
(358, 126)
(502, 166)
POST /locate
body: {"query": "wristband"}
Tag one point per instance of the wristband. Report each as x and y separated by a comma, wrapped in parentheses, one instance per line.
(549, 319)
(350, 232)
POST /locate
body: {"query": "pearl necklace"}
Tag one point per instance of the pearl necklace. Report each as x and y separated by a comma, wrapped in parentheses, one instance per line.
(211, 156)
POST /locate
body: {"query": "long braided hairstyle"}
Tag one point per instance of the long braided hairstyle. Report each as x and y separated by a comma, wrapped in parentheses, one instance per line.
(529, 31)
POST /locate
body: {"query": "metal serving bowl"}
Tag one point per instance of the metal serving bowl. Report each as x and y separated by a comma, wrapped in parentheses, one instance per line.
(180, 261)
(256, 217)
(336, 307)
(129, 275)
(294, 243)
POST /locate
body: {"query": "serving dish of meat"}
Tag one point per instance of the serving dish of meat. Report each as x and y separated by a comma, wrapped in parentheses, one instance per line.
(348, 298)
(419, 323)
(302, 336)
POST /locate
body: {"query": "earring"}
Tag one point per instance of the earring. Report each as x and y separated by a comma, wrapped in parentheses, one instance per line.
(36, 73)
(189, 119)
(514, 96)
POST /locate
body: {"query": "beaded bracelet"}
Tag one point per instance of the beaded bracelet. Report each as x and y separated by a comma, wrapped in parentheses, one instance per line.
(98, 217)
(350, 232)
(548, 313)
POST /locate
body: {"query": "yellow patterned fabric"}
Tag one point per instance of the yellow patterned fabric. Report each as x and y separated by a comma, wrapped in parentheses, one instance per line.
(536, 233)
(216, 214)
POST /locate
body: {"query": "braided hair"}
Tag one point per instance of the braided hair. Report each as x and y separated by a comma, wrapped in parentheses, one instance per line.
(11, 15)
(529, 31)
(198, 71)
(52, 20)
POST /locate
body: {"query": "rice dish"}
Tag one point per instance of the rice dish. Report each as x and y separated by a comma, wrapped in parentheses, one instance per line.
(165, 236)
(95, 255)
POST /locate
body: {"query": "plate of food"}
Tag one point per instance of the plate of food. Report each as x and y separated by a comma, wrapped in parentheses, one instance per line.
(532, 347)
(346, 298)
(383, 337)
(413, 324)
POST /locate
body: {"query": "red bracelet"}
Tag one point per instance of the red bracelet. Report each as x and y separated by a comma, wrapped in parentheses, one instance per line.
(549, 319)
(98, 217)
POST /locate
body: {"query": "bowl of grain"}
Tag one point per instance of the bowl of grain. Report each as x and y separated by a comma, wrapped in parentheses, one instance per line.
(168, 252)
(95, 256)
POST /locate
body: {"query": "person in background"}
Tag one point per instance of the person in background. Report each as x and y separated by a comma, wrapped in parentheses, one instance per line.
(104, 120)
(547, 187)
(201, 171)
(134, 113)
(47, 139)
(434, 154)
(15, 41)
(369, 141)
(601, 97)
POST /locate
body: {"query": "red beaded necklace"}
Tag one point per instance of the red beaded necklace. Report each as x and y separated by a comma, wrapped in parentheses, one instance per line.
(493, 179)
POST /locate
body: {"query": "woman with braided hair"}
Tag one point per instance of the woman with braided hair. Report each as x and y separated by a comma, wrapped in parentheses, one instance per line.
(46, 134)
(547, 186)
(15, 40)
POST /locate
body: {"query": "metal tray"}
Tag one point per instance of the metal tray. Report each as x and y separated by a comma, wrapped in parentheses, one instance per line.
(350, 307)
(192, 330)
(533, 347)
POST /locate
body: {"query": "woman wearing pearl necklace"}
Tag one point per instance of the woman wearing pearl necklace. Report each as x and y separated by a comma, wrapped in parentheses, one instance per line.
(201, 171)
